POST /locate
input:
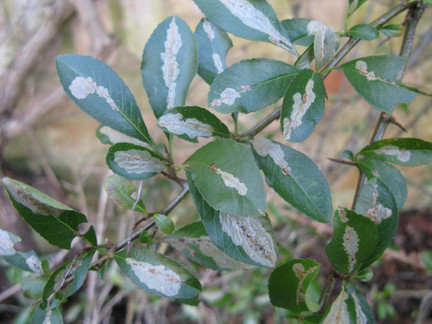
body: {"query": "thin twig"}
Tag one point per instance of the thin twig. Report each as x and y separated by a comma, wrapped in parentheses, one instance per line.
(133, 213)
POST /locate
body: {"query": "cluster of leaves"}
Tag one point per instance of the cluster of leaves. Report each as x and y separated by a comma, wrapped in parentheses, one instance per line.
(224, 176)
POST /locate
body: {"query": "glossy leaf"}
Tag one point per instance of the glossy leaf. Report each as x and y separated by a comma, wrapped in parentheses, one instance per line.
(164, 223)
(354, 5)
(108, 135)
(354, 239)
(250, 85)
(134, 162)
(213, 45)
(191, 122)
(374, 78)
(49, 316)
(392, 30)
(294, 177)
(99, 92)
(254, 20)
(401, 151)
(120, 190)
(303, 106)
(28, 261)
(297, 31)
(326, 42)
(55, 222)
(227, 177)
(158, 274)
(288, 285)
(364, 32)
(169, 63)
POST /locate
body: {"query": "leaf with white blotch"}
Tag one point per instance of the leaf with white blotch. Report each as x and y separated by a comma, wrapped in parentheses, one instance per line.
(374, 78)
(364, 31)
(354, 5)
(158, 274)
(108, 135)
(191, 122)
(401, 151)
(213, 44)
(294, 177)
(120, 190)
(169, 63)
(250, 85)
(47, 316)
(377, 203)
(55, 222)
(298, 31)
(246, 239)
(254, 20)
(134, 162)
(193, 241)
(99, 92)
(353, 240)
(288, 285)
(391, 30)
(226, 175)
(303, 106)
(28, 261)
(326, 42)
(338, 310)
(387, 175)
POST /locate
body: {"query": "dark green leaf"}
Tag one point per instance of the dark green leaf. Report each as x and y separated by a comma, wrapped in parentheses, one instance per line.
(326, 42)
(295, 178)
(288, 284)
(303, 106)
(297, 29)
(164, 223)
(348, 154)
(364, 31)
(354, 5)
(213, 45)
(134, 162)
(226, 175)
(363, 312)
(392, 30)
(250, 85)
(120, 189)
(50, 316)
(191, 122)
(158, 274)
(98, 91)
(169, 63)
(254, 20)
(402, 151)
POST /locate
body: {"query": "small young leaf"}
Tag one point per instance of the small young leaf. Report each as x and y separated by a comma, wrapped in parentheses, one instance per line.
(354, 5)
(134, 162)
(213, 45)
(48, 316)
(294, 177)
(164, 223)
(55, 222)
(250, 85)
(364, 32)
(401, 151)
(119, 190)
(169, 63)
(288, 284)
(226, 175)
(392, 30)
(108, 135)
(189, 123)
(145, 237)
(158, 274)
(374, 78)
(326, 42)
(254, 20)
(303, 106)
(297, 31)
(98, 91)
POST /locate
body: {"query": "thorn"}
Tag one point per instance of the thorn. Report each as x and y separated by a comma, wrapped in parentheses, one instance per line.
(342, 161)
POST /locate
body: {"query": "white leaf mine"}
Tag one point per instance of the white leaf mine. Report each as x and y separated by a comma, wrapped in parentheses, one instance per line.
(339, 310)
(301, 275)
(266, 147)
(34, 264)
(192, 127)
(170, 67)
(137, 161)
(217, 62)
(117, 137)
(47, 319)
(361, 316)
(157, 277)
(401, 154)
(300, 107)
(208, 28)
(232, 182)
(378, 212)
(350, 244)
(250, 234)
(82, 87)
(342, 214)
(6, 244)
(362, 67)
(229, 95)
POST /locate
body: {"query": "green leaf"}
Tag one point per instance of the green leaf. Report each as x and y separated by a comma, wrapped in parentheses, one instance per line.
(169, 63)
(358, 305)
(303, 106)
(374, 78)
(294, 177)
(191, 122)
(164, 223)
(108, 135)
(254, 20)
(119, 190)
(158, 274)
(429, 2)
(55, 222)
(364, 31)
(246, 239)
(52, 316)
(288, 284)
(377, 203)
(387, 176)
(297, 29)
(134, 162)
(28, 261)
(250, 85)
(98, 91)
(305, 59)
(213, 45)
(354, 5)
(354, 239)
(326, 43)
(401, 151)
(392, 30)
(227, 177)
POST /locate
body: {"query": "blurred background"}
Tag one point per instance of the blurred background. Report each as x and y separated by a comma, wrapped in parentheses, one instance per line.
(47, 142)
